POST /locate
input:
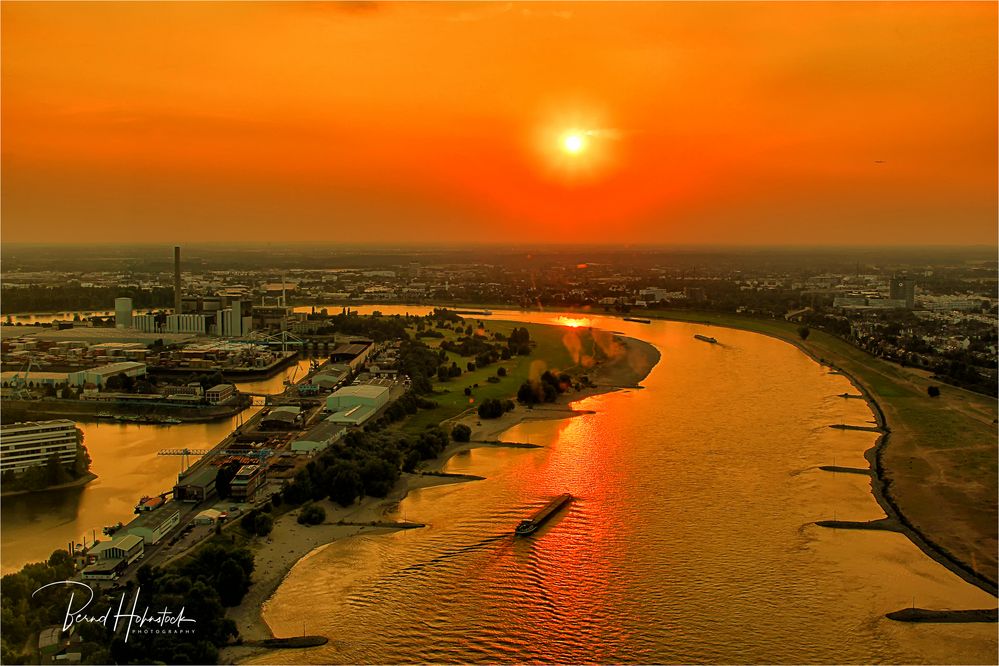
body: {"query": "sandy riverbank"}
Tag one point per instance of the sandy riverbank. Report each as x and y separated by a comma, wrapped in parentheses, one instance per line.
(290, 542)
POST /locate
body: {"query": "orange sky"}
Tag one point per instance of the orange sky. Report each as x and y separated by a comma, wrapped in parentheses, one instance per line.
(708, 123)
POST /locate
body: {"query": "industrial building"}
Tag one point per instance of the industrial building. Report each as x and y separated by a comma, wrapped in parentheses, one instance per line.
(354, 405)
(353, 354)
(284, 417)
(128, 548)
(207, 517)
(246, 482)
(187, 323)
(35, 377)
(99, 376)
(154, 525)
(319, 437)
(220, 394)
(31, 444)
(196, 485)
(331, 376)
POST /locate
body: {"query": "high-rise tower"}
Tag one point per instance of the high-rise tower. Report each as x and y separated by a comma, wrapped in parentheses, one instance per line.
(176, 280)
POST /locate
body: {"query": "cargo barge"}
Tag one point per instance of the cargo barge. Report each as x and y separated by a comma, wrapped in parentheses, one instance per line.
(531, 525)
(706, 339)
(638, 321)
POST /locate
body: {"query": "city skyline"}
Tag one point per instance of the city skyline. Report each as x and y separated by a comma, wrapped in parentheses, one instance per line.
(668, 124)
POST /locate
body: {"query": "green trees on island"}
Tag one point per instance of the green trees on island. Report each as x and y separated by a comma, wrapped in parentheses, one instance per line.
(461, 433)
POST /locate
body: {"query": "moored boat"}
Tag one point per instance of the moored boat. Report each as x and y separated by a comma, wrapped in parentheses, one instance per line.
(705, 338)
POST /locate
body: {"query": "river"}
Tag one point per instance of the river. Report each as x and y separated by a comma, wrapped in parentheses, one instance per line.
(690, 539)
(124, 458)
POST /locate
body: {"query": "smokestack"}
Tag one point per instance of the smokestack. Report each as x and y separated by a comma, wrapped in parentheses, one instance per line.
(176, 280)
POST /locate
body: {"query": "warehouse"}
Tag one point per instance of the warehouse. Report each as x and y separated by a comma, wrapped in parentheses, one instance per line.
(154, 525)
(366, 395)
(128, 548)
(284, 417)
(196, 485)
(99, 375)
(356, 405)
(319, 437)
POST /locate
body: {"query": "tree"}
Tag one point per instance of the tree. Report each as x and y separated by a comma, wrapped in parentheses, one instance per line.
(231, 582)
(470, 366)
(263, 525)
(501, 372)
(933, 391)
(461, 433)
(442, 373)
(527, 394)
(311, 514)
(378, 476)
(55, 472)
(116, 382)
(491, 408)
(224, 477)
(803, 331)
(345, 484)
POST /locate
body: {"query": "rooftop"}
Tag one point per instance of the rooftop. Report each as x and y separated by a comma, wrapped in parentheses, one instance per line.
(360, 391)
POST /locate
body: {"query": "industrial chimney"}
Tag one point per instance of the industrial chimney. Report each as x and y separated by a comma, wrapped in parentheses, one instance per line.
(176, 280)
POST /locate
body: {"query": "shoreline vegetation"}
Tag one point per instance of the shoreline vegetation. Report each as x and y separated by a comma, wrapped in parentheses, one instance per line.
(290, 543)
(75, 483)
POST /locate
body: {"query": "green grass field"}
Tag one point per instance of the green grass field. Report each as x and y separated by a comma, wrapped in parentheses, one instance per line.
(549, 352)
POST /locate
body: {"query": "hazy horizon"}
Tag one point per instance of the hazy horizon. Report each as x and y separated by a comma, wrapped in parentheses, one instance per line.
(799, 124)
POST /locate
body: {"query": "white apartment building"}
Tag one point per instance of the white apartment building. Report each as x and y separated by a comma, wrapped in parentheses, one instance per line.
(31, 444)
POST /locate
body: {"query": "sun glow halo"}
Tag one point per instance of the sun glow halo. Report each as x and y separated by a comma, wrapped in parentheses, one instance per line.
(573, 143)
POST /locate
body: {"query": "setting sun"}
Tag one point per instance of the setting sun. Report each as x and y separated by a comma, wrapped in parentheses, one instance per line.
(573, 143)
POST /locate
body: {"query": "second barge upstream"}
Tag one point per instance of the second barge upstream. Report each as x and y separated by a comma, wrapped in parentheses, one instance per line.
(531, 525)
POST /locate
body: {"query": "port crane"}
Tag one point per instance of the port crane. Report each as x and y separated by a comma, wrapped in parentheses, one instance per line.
(185, 454)
(19, 384)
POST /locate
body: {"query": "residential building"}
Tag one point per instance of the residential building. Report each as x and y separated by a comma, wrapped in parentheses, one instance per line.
(31, 444)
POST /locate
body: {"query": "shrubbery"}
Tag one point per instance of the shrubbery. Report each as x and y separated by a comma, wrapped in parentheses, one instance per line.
(311, 514)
